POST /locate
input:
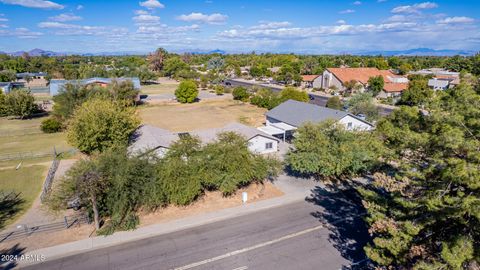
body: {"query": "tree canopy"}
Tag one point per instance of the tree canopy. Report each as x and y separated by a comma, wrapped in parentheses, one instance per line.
(187, 92)
(376, 84)
(423, 209)
(99, 124)
(20, 103)
(334, 103)
(328, 150)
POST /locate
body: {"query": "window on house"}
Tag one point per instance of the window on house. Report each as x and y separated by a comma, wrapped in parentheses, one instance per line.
(269, 145)
(349, 125)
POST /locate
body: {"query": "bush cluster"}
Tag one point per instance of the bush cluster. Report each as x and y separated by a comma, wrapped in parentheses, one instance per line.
(51, 125)
(123, 184)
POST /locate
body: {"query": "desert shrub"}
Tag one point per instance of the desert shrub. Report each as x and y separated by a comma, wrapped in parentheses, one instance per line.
(51, 125)
(240, 93)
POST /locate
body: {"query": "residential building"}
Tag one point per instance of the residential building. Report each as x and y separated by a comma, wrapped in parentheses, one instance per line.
(57, 85)
(336, 78)
(32, 79)
(436, 72)
(283, 120)
(312, 81)
(442, 79)
(152, 139)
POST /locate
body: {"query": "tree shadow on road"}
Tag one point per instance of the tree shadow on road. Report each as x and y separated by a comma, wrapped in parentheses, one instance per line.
(10, 257)
(343, 215)
(10, 205)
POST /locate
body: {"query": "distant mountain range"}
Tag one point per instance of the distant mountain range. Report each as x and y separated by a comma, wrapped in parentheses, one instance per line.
(410, 52)
(419, 52)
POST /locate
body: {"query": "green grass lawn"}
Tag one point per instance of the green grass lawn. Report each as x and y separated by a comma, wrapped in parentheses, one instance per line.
(22, 136)
(18, 127)
(27, 183)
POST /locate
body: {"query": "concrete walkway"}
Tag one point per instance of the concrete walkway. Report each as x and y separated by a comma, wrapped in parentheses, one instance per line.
(295, 190)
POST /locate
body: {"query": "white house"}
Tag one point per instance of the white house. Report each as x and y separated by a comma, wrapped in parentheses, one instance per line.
(283, 120)
(312, 81)
(152, 139)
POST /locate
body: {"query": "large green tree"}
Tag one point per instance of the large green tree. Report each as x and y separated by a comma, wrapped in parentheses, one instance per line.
(99, 124)
(328, 150)
(424, 208)
(376, 84)
(417, 93)
(20, 103)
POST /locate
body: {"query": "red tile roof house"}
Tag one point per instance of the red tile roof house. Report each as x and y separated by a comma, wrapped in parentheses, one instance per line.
(335, 78)
(311, 81)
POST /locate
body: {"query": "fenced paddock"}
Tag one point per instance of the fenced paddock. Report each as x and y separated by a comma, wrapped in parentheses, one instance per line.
(25, 230)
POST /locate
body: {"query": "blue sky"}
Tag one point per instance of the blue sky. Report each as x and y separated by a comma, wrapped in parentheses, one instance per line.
(299, 26)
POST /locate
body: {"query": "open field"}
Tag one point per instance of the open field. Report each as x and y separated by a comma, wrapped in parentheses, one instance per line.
(19, 127)
(25, 136)
(27, 181)
(201, 115)
(164, 86)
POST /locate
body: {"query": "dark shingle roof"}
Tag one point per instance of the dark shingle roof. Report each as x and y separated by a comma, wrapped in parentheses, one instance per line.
(296, 113)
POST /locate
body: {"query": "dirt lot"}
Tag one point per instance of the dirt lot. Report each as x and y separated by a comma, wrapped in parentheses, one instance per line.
(164, 86)
(211, 201)
(202, 115)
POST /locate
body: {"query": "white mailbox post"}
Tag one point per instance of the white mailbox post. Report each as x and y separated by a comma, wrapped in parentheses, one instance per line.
(244, 197)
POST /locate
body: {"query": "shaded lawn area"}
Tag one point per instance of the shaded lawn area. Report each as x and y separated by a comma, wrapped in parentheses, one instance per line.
(162, 88)
(22, 187)
(201, 115)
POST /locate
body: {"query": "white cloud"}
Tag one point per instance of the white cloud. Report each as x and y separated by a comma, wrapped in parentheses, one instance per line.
(318, 31)
(59, 25)
(146, 19)
(20, 33)
(141, 12)
(341, 22)
(65, 18)
(347, 11)
(456, 20)
(272, 25)
(357, 3)
(3, 19)
(34, 4)
(79, 7)
(215, 18)
(416, 8)
(3, 26)
(151, 4)
(397, 18)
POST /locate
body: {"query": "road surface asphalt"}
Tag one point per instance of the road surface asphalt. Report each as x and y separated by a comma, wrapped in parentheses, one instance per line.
(322, 232)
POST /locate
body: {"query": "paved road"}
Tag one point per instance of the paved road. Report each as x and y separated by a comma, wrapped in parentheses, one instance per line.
(287, 237)
(314, 99)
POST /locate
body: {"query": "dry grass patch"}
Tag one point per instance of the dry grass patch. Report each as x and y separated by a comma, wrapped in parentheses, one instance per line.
(202, 115)
(164, 86)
